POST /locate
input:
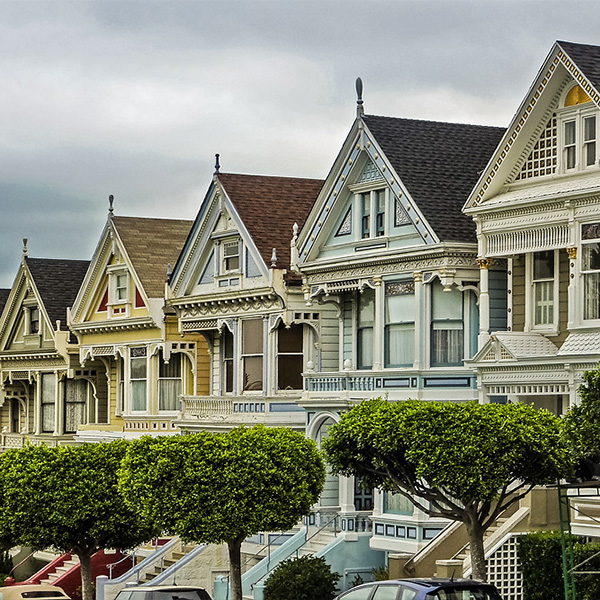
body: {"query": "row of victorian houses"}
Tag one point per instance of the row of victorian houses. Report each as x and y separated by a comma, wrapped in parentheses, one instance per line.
(437, 261)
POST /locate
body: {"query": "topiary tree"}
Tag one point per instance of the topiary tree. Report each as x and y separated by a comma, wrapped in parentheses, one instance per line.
(66, 497)
(304, 578)
(465, 462)
(224, 487)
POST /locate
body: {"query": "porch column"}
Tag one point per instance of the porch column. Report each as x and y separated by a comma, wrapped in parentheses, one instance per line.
(59, 404)
(378, 324)
(420, 319)
(346, 494)
(571, 295)
(37, 411)
(484, 301)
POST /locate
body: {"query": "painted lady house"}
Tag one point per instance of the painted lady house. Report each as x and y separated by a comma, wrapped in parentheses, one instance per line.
(141, 363)
(45, 395)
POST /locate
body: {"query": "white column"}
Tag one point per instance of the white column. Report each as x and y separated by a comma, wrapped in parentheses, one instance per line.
(484, 301)
(420, 319)
(571, 290)
(346, 491)
(37, 411)
(59, 405)
(378, 324)
(509, 299)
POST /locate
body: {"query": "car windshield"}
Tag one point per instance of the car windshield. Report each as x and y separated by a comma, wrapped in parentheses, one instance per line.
(465, 593)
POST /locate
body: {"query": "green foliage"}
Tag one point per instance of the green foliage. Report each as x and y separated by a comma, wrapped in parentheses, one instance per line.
(66, 497)
(581, 424)
(381, 573)
(468, 451)
(540, 555)
(209, 487)
(304, 578)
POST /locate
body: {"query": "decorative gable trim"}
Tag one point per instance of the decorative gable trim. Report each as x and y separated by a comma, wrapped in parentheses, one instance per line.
(560, 57)
(365, 142)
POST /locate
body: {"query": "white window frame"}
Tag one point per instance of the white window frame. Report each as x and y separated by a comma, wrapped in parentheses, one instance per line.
(578, 114)
(368, 195)
(131, 380)
(118, 307)
(582, 275)
(230, 243)
(530, 325)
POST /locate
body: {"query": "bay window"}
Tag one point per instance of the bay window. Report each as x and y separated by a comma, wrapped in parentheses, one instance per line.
(447, 326)
(138, 374)
(400, 311)
(289, 357)
(590, 269)
(252, 354)
(48, 383)
(366, 319)
(579, 131)
(169, 381)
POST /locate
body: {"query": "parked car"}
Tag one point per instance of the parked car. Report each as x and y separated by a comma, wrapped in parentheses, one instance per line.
(39, 591)
(422, 589)
(163, 592)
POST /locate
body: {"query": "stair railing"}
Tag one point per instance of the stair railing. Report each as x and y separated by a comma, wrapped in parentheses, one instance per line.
(112, 565)
(306, 540)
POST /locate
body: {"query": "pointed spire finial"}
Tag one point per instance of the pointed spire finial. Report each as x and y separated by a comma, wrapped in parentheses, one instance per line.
(169, 271)
(217, 164)
(111, 200)
(360, 111)
(274, 258)
(24, 246)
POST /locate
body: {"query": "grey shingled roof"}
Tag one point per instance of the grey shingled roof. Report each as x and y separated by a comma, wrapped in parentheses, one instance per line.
(269, 207)
(3, 298)
(58, 282)
(587, 58)
(439, 163)
(152, 244)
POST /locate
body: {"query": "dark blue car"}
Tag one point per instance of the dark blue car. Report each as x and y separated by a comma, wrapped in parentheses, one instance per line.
(422, 589)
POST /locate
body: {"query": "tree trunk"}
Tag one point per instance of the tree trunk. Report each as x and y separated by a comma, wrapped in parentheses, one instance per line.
(475, 531)
(235, 568)
(87, 585)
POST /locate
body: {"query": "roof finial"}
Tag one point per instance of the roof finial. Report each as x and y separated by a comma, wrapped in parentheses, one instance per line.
(111, 210)
(360, 111)
(24, 247)
(169, 271)
(274, 258)
(217, 165)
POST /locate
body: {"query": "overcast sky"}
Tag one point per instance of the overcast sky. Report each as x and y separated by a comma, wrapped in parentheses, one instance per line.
(135, 98)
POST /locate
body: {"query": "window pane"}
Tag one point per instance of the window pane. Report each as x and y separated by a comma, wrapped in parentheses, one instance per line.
(290, 339)
(446, 305)
(591, 257)
(447, 343)
(365, 348)
(252, 336)
(138, 395)
(253, 373)
(366, 308)
(399, 345)
(397, 504)
(75, 398)
(590, 153)
(570, 132)
(138, 368)
(171, 368)
(289, 372)
(169, 391)
(386, 592)
(227, 338)
(591, 296)
(400, 308)
(359, 594)
(589, 128)
(543, 265)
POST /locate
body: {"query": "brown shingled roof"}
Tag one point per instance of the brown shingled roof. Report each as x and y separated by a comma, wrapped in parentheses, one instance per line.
(269, 207)
(152, 244)
(4, 293)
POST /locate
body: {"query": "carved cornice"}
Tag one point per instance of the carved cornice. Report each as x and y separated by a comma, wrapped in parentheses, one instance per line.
(225, 306)
(131, 324)
(393, 266)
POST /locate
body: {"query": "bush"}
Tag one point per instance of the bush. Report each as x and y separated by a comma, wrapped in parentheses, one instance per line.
(304, 578)
(540, 554)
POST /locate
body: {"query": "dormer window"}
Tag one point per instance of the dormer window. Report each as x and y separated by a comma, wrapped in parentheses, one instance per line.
(231, 256)
(118, 292)
(121, 287)
(34, 320)
(579, 131)
(372, 203)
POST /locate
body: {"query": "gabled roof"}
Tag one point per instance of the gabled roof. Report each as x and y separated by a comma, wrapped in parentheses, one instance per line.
(269, 207)
(566, 63)
(514, 345)
(58, 282)
(151, 245)
(4, 293)
(439, 163)
(587, 58)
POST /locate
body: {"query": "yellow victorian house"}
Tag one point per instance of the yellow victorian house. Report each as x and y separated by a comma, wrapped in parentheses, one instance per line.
(45, 395)
(125, 333)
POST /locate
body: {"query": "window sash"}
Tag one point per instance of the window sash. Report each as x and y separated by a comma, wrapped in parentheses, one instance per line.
(447, 343)
(48, 382)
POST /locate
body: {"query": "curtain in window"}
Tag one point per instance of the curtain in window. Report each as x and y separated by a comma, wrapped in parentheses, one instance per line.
(591, 286)
(138, 383)
(252, 349)
(400, 324)
(366, 318)
(75, 398)
(447, 328)
(48, 401)
(169, 391)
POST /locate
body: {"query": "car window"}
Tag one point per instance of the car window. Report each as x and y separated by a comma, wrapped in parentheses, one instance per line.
(180, 595)
(470, 593)
(362, 593)
(386, 592)
(407, 594)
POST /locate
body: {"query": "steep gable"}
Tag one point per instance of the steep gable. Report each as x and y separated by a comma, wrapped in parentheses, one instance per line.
(532, 149)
